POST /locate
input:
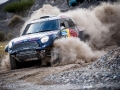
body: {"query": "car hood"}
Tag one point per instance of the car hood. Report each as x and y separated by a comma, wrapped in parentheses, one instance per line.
(34, 36)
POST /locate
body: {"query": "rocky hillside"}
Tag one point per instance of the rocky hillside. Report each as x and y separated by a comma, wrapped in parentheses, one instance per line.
(5, 17)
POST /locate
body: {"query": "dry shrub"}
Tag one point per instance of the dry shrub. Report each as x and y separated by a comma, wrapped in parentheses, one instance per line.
(2, 36)
(15, 20)
(19, 7)
(9, 36)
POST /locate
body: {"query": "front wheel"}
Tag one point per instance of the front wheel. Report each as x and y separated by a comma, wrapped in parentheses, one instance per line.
(55, 57)
(13, 62)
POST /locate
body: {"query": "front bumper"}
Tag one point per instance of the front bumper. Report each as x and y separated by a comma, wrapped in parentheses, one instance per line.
(29, 55)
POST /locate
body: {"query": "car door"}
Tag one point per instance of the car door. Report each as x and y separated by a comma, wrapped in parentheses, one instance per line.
(72, 28)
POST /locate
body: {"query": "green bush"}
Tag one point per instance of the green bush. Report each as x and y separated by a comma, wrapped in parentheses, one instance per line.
(19, 7)
(15, 20)
(2, 36)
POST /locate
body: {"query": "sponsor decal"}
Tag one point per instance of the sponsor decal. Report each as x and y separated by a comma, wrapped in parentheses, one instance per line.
(65, 32)
(73, 33)
(69, 32)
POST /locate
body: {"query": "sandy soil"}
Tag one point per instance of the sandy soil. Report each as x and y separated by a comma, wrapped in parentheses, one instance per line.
(28, 77)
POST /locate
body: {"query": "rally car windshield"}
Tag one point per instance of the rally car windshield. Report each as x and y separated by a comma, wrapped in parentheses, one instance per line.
(44, 26)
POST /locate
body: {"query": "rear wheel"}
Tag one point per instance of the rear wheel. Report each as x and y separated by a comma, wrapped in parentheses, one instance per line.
(83, 36)
(13, 62)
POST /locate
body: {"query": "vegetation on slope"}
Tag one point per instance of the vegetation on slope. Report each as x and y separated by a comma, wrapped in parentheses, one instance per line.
(19, 7)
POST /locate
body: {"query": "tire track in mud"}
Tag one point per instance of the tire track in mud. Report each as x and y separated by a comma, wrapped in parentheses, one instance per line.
(31, 75)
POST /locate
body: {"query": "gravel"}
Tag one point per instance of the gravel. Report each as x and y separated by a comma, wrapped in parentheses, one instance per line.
(105, 71)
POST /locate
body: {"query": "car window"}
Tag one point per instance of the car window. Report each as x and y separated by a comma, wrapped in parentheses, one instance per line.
(43, 26)
(63, 23)
(70, 23)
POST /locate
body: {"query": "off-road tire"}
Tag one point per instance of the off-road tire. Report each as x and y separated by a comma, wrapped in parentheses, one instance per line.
(13, 62)
(83, 37)
(55, 58)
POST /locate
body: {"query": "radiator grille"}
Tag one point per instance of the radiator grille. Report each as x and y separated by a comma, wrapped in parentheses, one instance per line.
(25, 45)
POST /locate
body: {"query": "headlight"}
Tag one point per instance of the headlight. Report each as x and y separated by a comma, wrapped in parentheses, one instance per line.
(10, 45)
(44, 39)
